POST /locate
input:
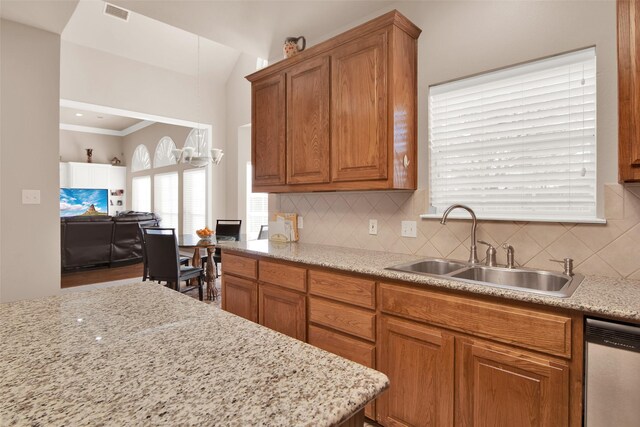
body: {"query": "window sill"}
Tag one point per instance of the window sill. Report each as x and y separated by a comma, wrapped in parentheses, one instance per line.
(462, 215)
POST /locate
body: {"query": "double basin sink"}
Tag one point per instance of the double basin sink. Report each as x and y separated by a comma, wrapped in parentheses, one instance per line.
(522, 279)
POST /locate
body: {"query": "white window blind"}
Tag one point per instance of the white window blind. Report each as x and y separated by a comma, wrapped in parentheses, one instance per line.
(165, 194)
(257, 208)
(141, 194)
(518, 143)
(194, 199)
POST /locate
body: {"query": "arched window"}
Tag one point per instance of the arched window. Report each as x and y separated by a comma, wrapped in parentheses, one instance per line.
(199, 141)
(164, 153)
(141, 159)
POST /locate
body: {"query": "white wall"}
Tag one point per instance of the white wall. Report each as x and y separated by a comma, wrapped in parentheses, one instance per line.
(29, 104)
(238, 94)
(95, 77)
(105, 147)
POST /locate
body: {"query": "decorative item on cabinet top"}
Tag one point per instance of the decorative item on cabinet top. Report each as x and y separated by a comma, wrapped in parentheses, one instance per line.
(291, 46)
(311, 134)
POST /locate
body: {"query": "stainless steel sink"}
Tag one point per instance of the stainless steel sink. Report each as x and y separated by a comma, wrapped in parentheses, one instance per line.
(523, 279)
(430, 266)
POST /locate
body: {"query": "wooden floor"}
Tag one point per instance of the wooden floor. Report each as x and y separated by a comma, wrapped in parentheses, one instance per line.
(100, 275)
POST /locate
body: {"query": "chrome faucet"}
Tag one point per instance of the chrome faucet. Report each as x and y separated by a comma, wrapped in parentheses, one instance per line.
(473, 250)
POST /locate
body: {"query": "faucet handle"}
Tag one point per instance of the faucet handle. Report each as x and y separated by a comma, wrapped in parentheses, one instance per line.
(486, 243)
(568, 265)
(491, 254)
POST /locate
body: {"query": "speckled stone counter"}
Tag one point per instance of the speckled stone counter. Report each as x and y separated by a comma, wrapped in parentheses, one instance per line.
(604, 296)
(145, 355)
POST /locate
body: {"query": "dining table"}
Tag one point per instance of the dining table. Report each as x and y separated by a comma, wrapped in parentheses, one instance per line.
(190, 241)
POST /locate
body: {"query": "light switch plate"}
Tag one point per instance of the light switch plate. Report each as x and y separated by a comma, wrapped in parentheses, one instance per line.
(373, 226)
(300, 222)
(409, 229)
(30, 197)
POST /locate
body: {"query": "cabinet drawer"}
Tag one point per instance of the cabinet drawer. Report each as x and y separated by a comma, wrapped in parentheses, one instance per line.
(349, 348)
(355, 321)
(346, 347)
(532, 329)
(239, 265)
(283, 275)
(344, 288)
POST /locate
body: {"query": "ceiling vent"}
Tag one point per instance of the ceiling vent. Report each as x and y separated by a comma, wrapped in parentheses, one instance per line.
(116, 12)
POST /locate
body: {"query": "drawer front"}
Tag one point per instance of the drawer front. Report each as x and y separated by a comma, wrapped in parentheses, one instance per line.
(344, 288)
(346, 347)
(239, 265)
(531, 329)
(283, 275)
(344, 318)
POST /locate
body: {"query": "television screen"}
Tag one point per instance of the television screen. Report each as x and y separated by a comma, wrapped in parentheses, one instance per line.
(83, 202)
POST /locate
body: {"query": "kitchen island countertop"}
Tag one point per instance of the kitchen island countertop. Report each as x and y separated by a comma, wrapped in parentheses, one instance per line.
(143, 354)
(604, 296)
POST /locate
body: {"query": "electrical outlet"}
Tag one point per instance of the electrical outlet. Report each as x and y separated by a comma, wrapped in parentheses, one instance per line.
(30, 197)
(373, 226)
(300, 222)
(409, 229)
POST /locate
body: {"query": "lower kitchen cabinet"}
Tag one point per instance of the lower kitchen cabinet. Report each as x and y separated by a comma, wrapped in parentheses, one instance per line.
(240, 297)
(283, 311)
(419, 361)
(500, 387)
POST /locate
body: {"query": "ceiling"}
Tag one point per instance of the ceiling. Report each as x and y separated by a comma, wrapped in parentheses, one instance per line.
(44, 14)
(256, 27)
(92, 119)
(148, 41)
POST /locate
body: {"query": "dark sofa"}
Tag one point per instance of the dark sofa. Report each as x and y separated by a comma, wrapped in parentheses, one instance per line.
(103, 240)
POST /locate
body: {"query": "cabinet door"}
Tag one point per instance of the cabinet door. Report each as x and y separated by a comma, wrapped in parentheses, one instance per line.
(308, 122)
(498, 387)
(629, 89)
(117, 177)
(283, 311)
(419, 362)
(80, 176)
(240, 297)
(359, 109)
(268, 130)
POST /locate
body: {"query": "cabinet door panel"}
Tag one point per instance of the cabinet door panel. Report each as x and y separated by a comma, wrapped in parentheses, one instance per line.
(283, 311)
(359, 109)
(240, 297)
(498, 387)
(419, 363)
(268, 131)
(308, 122)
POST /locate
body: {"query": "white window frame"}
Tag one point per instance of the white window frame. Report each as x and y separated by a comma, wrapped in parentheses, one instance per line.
(448, 176)
(187, 215)
(136, 205)
(162, 214)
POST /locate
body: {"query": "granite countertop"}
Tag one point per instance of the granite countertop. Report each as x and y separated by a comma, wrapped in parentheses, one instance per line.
(143, 354)
(604, 296)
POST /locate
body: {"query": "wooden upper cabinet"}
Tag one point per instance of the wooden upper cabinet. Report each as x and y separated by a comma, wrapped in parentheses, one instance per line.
(359, 109)
(268, 131)
(629, 90)
(348, 113)
(308, 122)
(499, 387)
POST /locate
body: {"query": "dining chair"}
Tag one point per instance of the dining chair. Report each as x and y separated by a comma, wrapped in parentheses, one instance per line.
(264, 232)
(163, 261)
(184, 260)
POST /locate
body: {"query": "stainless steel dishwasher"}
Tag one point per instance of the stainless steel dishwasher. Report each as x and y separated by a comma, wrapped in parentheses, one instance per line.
(612, 374)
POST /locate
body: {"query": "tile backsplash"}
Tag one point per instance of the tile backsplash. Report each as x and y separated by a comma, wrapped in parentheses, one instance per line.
(341, 219)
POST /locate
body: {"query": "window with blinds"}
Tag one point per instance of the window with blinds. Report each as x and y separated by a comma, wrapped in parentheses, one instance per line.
(141, 194)
(518, 143)
(165, 195)
(194, 200)
(257, 208)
